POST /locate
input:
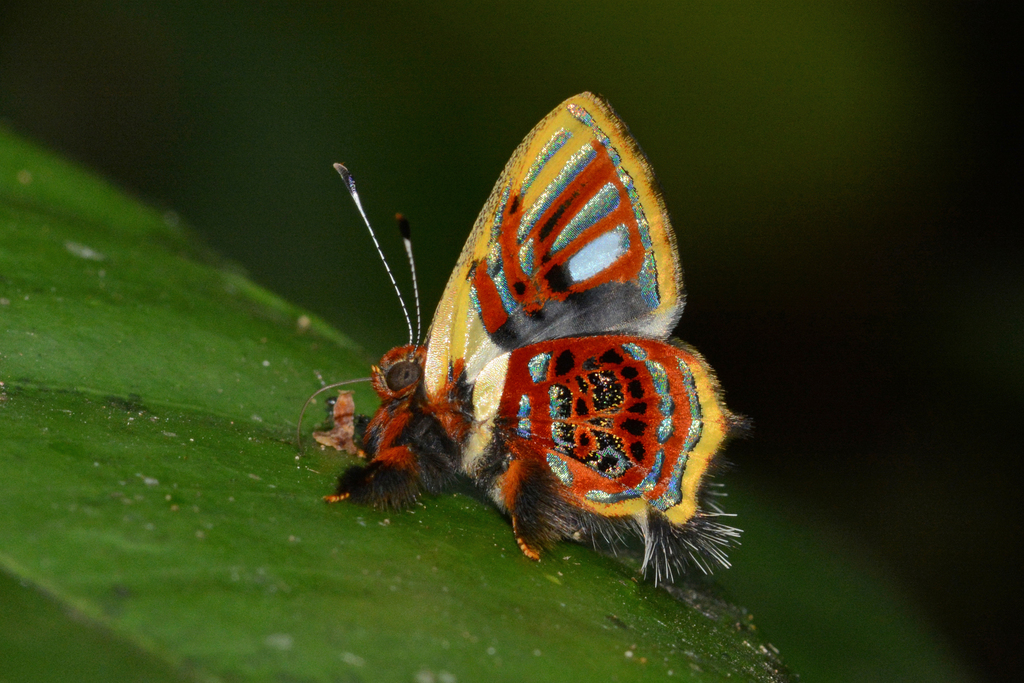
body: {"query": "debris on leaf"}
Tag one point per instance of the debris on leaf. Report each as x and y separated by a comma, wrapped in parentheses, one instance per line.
(340, 436)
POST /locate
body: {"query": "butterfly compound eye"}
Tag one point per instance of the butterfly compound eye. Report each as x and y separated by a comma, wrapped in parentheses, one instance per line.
(402, 375)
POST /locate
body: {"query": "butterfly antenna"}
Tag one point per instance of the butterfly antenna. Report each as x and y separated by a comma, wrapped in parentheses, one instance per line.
(350, 183)
(298, 428)
(403, 227)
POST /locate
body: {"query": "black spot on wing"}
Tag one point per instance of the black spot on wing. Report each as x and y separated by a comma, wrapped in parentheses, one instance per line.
(556, 279)
(636, 389)
(634, 426)
(610, 356)
(637, 450)
(564, 363)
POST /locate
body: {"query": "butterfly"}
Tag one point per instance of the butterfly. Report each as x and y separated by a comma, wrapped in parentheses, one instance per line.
(548, 376)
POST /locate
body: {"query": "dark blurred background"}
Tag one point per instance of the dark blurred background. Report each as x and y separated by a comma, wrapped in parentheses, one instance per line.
(845, 182)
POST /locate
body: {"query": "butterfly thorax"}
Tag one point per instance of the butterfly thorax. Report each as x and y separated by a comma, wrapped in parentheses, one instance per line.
(411, 431)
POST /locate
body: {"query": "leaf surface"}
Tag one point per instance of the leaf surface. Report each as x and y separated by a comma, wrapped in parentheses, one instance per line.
(155, 523)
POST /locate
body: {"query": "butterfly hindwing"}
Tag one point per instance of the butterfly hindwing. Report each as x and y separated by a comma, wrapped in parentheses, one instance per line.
(624, 423)
(574, 240)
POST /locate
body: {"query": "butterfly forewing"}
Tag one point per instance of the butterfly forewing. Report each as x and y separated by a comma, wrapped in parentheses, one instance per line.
(574, 240)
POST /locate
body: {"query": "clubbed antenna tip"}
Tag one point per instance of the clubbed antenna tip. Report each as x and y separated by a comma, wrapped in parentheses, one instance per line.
(403, 226)
(350, 184)
(403, 229)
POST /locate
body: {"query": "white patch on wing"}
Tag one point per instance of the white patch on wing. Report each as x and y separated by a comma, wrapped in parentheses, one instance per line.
(488, 388)
(598, 255)
(487, 391)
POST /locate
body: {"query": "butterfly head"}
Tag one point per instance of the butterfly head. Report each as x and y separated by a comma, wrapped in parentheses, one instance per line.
(399, 373)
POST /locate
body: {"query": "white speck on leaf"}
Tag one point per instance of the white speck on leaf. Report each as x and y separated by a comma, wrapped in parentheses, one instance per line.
(353, 659)
(279, 641)
(82, 251)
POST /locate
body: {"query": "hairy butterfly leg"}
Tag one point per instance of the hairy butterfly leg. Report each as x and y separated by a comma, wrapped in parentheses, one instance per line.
(541, 516)
(390, 480)
(398, 473)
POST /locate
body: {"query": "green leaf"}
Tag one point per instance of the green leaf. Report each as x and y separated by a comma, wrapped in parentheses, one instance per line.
(155, 523)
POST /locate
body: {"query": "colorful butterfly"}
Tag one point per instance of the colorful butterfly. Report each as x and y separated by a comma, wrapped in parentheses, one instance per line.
(548, 376)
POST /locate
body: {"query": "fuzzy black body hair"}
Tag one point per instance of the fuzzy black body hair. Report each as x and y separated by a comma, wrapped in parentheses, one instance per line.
(436, 455)
(544, 516)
